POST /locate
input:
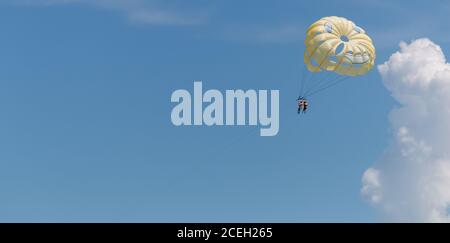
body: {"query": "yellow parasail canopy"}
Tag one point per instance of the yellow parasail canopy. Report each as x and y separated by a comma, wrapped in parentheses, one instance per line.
(336, 44)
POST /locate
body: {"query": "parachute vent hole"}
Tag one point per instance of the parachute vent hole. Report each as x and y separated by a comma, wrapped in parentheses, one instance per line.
(314, 62)
(339, 48)
(344, 38)
(333, 59)
(328, 27)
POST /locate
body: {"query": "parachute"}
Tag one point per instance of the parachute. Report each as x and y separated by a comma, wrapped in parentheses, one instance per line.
(338, 46)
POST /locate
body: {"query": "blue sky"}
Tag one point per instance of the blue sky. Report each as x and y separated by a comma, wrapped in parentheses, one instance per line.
(85, 131)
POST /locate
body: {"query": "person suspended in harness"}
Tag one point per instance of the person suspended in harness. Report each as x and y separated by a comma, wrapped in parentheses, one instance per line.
(302, 105)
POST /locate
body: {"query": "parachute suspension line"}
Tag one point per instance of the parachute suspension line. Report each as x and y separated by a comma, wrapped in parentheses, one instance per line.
(319, 66)
(302, 79)
(329, 86)
(305, 80)
(307, 83)
(317, 83)
(325, 82)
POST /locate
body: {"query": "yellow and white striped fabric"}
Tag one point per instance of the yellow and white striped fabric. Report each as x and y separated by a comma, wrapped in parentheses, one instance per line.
(337, 44)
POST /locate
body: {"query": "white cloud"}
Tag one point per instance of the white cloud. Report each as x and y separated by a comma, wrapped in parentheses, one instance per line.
(411, 182)
(372, 185)
(140, 11)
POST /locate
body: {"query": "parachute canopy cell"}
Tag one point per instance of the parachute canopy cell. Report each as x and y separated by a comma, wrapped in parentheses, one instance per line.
(336, 44)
